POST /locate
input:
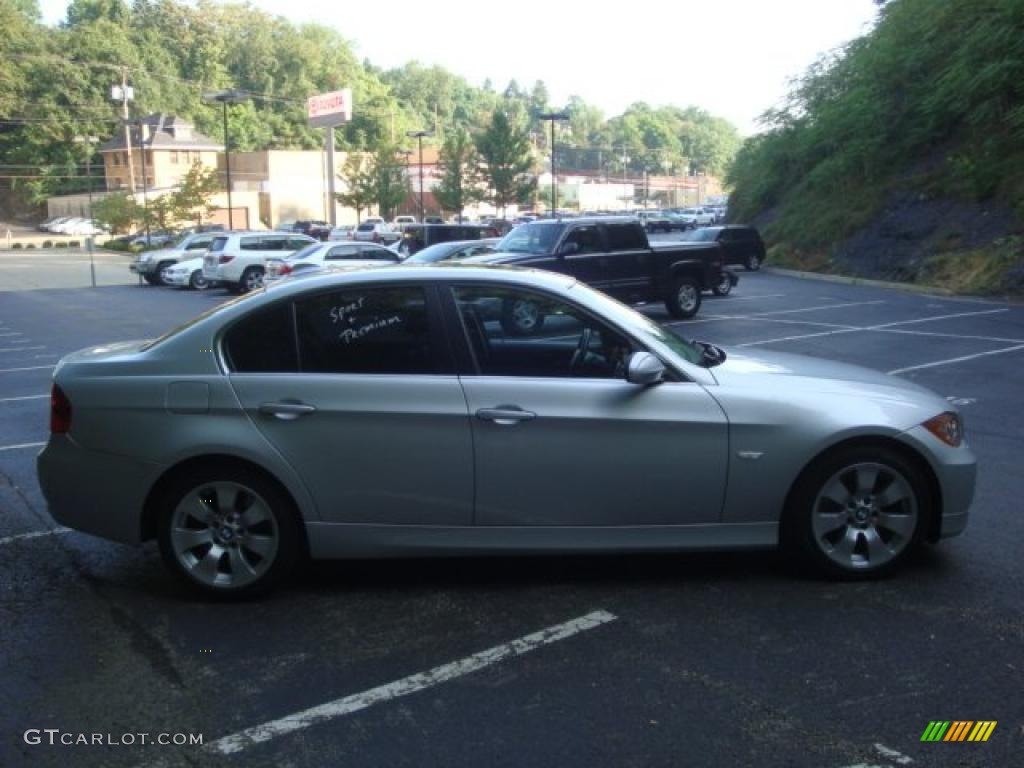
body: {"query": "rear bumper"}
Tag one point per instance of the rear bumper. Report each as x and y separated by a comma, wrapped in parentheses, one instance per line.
(95, 492)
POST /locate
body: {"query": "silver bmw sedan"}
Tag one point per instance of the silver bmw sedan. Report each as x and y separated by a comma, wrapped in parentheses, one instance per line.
(383, 412)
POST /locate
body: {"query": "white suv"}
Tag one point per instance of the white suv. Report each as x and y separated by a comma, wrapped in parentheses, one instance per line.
(237, 260)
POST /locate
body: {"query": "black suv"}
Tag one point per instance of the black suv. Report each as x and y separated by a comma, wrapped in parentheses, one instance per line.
(740, 244)
(418, 236)
(318, 229)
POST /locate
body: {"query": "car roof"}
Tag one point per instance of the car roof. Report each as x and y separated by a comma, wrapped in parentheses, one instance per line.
(438, 272)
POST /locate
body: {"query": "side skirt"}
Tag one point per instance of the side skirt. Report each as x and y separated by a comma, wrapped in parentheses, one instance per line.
(347, 540)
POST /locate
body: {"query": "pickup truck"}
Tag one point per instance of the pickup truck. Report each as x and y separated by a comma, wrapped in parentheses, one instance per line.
(613, 255)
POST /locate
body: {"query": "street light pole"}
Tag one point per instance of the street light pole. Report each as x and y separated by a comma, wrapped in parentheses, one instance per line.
(230, 96)
(145, 188)
(418, 135)
(553, 117)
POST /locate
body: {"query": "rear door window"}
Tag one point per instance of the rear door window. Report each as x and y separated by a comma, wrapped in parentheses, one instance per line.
(342, 252)
(624, 237)
(254, 243)
(382, 330)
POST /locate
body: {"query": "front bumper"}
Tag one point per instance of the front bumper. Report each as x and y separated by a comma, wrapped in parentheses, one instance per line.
(142, 267)
(179, 279)
(95, 492)
(956, 470)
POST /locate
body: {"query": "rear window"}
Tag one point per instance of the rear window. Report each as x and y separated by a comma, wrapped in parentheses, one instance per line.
(366, 227)
(305, 252)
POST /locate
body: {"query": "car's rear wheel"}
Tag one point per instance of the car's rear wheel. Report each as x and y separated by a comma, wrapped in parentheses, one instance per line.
(252, 279)
(753, 263)
(197, 282)
(521, 317)
(857, 513)
(724, 285)
(228, 531)
(683, 300)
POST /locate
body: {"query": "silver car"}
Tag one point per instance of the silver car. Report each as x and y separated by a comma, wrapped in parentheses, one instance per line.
(377, 412)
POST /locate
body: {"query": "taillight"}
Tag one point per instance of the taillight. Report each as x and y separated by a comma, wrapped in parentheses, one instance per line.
(376, 237)
(284, 269)
(60, 411)
(225, 258)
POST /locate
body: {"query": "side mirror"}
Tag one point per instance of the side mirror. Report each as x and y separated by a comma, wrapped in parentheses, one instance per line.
(644, 369)
(568, 249)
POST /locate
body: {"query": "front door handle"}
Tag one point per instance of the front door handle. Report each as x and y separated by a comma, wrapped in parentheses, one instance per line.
(505, 414)
(286, 411)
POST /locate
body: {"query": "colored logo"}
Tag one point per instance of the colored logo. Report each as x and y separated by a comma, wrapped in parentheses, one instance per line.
(958, 730)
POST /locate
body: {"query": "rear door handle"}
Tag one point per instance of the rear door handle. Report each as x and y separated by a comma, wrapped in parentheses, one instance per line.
(505, 414)
(286, 411)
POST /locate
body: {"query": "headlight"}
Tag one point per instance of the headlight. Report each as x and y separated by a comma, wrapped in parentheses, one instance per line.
(947, 427)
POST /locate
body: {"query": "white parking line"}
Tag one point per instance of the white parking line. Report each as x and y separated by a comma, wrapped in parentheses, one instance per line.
(12, 333)
(21, 349)
(349, 704)
(28, 368)
(23, 397)
(20, 445)
(951, 360)
(892, 754)
(747, 297)
(760, 315)
(34, 535)
(880, 327)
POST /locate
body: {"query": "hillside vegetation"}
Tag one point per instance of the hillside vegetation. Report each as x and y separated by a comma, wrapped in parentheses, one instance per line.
(900, 156)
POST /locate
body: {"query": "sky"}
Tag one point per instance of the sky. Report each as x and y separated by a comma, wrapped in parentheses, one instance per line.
(732, 58)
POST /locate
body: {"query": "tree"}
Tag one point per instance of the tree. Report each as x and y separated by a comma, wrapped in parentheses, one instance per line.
(505, 149)
(390, 185)
(119, 212)
(461, 180)
(191, 202)
(359, 178)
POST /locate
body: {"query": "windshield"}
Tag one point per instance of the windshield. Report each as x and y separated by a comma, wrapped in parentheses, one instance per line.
(702, 235)
(536, 237)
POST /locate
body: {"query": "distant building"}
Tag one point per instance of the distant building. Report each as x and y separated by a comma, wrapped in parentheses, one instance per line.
(171, 145)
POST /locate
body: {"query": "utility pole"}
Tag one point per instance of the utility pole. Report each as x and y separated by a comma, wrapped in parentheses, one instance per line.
(145, 189)
(124, 94)
(418, 135)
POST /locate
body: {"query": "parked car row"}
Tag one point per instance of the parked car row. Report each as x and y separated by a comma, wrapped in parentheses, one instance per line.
(72, 225)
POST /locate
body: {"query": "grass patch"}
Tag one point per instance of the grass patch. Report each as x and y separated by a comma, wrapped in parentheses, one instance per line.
(995, 269)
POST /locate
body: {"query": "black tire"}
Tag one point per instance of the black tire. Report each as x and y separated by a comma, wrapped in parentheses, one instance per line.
(683, 299)
(724, 286)
(517, 319)
(152, 279)
(252, 279)
(287, 530)
(809, 552)
(160, 272)
(753, 263)
(197, 282)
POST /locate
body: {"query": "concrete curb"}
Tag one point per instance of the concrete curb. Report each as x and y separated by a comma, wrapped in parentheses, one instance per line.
(845, 280)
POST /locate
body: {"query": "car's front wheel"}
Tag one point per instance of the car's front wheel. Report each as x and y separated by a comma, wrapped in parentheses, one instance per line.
(228, 531)
(683, 300)
(857, 513)
(161, 272)
(197, 282)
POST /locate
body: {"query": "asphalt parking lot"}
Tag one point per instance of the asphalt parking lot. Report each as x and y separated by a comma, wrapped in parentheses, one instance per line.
(717, 660)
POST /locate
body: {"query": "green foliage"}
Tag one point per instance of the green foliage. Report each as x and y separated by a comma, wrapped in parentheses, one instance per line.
(47, 243)
(461, 180)
(58, 244)
(191, 201)
(360, 179)
(505, 149)
(930, 98)
(118, 211)
(17, 247)
(390, 187)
